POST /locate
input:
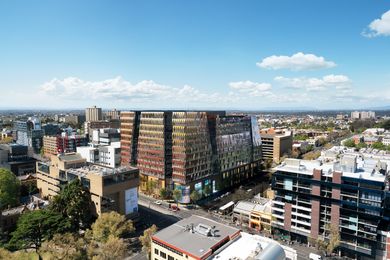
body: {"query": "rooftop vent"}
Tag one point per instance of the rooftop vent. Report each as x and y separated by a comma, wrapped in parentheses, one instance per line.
(205, 230)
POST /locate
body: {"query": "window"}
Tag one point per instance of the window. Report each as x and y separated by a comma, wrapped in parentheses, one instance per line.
(170, 257)
(156, 251)
(163, 255)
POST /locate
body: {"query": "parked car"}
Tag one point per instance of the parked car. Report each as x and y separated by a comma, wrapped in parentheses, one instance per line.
(158, 202)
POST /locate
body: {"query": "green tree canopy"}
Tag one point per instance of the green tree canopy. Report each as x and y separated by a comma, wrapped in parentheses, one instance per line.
(74, 202)
(110, 224)
(195, 196)
(9, 189)
(36, 226)
(146, 239)
(176, 195)
(207, 190)
(66, 246)
(113, 248)
(349, 143)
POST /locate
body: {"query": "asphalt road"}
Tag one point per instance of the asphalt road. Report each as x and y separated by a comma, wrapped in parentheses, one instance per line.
(160, 215)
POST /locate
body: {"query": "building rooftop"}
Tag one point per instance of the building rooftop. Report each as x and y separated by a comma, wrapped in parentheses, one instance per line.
(196, 236)
(255, 247)
(100, 170)
(69, 157)
(351, 164)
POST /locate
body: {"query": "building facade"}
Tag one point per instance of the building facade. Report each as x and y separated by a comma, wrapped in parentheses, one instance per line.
(190, 150)
(276, 143)
(351, 195)
(29, 133)
(93, 114)
(112, 189)
(64, 143)
(106, 155)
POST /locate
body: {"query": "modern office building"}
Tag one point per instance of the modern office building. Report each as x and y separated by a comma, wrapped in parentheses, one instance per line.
(201, 238)
(51, 129)
(106, 155)
(64, 143)
(350, 194)
(111, 189)
(93, 114)
(29, 133)
(15, 158)
(190, 150)
(276, 143)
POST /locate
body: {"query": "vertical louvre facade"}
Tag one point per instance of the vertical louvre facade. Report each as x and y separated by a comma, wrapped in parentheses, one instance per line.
(190, 149)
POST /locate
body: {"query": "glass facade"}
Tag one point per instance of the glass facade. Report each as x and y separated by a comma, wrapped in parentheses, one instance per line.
(188, 147)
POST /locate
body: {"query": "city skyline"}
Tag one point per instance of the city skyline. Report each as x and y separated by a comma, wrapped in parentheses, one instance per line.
(195, 55)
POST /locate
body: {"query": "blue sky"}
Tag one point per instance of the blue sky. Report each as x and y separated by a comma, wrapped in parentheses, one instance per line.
(195, 54)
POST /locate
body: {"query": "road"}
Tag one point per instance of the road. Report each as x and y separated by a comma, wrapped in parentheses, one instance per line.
(160, 215)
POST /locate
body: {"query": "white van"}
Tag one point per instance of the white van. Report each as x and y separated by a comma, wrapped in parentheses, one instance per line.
(315, 256)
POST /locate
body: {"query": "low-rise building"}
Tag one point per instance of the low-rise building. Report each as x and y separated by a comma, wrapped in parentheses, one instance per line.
(112, 189)
(202, 238)
(255, 213)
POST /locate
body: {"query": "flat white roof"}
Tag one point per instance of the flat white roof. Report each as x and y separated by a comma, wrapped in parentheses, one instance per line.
(252, 247)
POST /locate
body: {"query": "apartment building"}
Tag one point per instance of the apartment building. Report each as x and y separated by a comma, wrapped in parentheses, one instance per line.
(111, 189)
(276, 143)
(112, 114)
(106, 155)
(64, 143)
(351, 194)
(189, 150)
(93, 114)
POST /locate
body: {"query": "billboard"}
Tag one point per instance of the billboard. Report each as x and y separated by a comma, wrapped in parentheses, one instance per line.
(131, 201)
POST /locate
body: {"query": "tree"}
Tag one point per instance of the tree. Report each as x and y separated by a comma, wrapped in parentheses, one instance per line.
(74, 202)
(349, 143)
(146, 239)
(9, 189)
(36, 226)
(207, 190)
(150, 186)
(176, 195)
(268, 163)
(379, 146)
(195, 196)
(110, 224)
(64, 246)
(311, 155)
(334, 238)
(113, 248)
(164, 193)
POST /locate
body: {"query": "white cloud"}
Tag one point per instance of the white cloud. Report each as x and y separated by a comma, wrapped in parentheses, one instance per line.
(379, 27)
(316, 84)
(252, 88)
(118, 89)
(298, 61)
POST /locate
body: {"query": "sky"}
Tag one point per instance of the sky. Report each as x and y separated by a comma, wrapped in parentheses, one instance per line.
(195, 54)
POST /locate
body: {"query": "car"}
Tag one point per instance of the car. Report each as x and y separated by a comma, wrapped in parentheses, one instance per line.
(315, 256)
(158, 202)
